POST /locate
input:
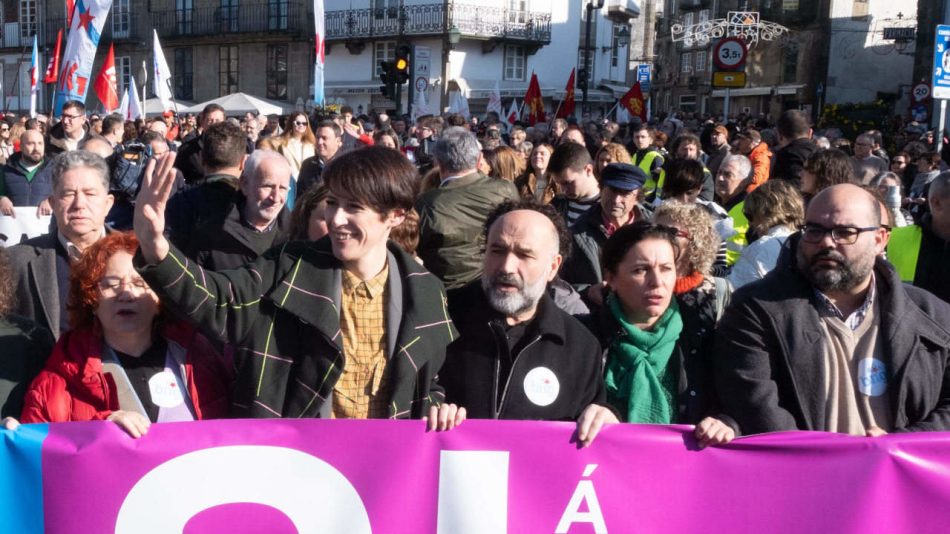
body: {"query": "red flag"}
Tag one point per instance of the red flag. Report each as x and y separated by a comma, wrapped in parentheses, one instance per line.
(70, 7)
(105, 84)
(52, 68)
(634, 102)
(567, 105)
(533, 103)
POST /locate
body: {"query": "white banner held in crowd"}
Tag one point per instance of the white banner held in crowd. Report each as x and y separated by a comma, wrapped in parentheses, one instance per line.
(494, 101)
(23, 226)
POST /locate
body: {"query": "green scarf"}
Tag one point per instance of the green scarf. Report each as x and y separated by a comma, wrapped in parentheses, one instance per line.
(636, 374)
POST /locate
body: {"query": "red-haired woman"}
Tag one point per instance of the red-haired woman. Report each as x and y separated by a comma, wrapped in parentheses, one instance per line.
(123, 360)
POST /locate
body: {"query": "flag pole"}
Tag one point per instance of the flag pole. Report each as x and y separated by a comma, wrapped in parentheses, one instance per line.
(558, 108)
(613, 108)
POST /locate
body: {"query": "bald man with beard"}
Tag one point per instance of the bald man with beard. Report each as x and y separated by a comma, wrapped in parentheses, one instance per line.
(834, 341)
(24, 180)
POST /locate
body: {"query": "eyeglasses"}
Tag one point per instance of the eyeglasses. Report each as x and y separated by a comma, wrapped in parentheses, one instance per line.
(841, 235)
(300, 123)
(71, 117)
(112, 286)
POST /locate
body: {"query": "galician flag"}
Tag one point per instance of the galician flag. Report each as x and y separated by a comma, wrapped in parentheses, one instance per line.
(494, 101)
(34, 78)
(89, 17)
(161, 75)
(319, 22)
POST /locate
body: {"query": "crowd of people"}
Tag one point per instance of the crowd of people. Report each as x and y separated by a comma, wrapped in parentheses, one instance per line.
(740, 276)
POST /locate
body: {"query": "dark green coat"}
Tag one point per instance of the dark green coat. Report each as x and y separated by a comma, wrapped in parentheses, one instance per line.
(281, 315)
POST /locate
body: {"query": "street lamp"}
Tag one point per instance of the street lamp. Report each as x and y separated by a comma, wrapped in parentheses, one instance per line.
(585, 78)
(452, 38)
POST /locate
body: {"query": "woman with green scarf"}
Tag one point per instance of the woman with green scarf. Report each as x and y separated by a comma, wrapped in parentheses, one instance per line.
(657, 347)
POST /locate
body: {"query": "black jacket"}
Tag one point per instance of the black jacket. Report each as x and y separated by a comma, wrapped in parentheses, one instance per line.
(768, 356)
(932, 265)
(228, 243)
(790, 160)
(582, 268)
(190, 209)
(472, 374)
(695, 393)
(311, 174)
(188, 158)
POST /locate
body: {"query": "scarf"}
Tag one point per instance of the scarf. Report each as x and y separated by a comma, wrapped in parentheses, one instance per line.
(636, 375)
(688, 283)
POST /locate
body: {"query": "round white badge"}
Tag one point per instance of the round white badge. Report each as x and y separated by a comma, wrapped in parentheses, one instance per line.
(164, 390)
(872, 377)
(541, 386)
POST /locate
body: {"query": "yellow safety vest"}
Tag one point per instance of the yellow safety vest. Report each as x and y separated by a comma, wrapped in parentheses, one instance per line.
(903, 250)
(646, 165)
(736, 243)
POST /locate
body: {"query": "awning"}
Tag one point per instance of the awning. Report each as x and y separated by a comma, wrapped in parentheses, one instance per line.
(759, 91)
(617, 90)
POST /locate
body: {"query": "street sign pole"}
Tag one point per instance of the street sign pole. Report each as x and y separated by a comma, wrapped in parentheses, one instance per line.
(943, 120)
(725, 107)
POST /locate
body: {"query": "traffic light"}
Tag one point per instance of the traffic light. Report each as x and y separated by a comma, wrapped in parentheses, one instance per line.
(387, 75)
(403, 56)
(582, 78)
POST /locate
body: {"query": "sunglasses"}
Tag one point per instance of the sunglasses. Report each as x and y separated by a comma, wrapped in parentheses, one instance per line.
(300, 123)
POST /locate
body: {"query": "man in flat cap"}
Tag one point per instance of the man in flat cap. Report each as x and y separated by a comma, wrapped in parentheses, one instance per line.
(619, 206)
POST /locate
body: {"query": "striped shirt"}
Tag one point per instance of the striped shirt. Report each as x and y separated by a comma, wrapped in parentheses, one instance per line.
(576, 208)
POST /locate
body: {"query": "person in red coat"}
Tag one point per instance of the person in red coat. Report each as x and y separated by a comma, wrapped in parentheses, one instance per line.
(123, 360)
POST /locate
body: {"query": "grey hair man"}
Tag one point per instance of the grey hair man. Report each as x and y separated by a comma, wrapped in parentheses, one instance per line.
(452, 215)
(80, 201)
(256, 220)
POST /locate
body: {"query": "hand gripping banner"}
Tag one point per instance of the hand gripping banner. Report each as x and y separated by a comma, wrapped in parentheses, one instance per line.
(351, 477)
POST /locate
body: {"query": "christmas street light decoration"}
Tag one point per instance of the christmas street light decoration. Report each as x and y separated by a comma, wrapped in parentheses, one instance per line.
(743, 24)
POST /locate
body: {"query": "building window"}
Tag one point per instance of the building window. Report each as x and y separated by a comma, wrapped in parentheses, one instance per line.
(184, 11)
(385, 51)
(703, 15)
(859, 9)
(688, 19)
(686, 62)
(617, 51)
(518, 11)
(227, 70)
(687, 103)
(790, 68)
(27, 18)
(184, 73)
(229, 16)
(277, 14)
(582, 60)
(514, 62)
(121, 19)
(701, 60)
(123, 73)
(277, 72)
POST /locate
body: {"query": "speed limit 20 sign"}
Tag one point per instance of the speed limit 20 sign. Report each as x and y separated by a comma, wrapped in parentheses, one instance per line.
(730, 53)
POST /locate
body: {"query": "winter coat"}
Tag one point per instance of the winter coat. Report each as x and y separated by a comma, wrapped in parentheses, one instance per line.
(790, 160)
(73, 386)
(282, 316)
(769, 354)
(582, 268)
(229, 243)
(556, 348)
(451, 225)
(26, 346)
(18, 189)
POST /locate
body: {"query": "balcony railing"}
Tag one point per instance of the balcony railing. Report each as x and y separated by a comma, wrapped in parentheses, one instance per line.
(128, 28)
(275, 16)
(474, 21)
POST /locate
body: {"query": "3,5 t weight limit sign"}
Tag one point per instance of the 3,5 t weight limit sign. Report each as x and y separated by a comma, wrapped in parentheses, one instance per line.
(730, 53)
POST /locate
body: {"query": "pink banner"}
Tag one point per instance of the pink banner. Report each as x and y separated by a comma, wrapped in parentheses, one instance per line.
(393, 477)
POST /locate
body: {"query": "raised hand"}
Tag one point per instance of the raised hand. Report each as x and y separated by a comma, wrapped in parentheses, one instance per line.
(150, 204)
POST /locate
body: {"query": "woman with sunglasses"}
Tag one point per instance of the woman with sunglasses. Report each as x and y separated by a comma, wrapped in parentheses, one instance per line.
(123, 360)
(6, 142)
(297, 143)
(657, 345)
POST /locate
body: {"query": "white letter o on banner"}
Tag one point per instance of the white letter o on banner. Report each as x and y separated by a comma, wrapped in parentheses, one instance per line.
(312, 493)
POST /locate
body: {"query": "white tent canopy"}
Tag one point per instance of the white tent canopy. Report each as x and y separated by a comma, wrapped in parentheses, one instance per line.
(239, 103)
(153, 106)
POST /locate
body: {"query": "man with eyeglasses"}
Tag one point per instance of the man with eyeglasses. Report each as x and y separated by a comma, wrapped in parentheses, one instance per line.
(70, 131)
(833, 341)
(866, 164)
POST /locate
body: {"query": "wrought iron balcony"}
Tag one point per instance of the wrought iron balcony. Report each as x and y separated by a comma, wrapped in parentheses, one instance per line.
(129, 28)
(472, 20)
(275, 16)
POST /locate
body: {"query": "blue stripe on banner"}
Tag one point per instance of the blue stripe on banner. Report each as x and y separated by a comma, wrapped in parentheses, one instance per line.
(21, 486)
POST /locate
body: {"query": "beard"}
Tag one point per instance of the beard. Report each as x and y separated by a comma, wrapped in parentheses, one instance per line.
(513, 303)
(843, 276)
